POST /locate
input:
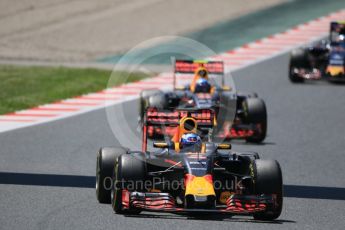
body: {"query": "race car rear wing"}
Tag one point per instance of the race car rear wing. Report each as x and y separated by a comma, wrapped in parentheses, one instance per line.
(187, 119)
(190, 66)
(203, 117)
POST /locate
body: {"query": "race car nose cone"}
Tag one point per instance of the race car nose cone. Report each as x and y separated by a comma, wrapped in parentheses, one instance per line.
(200, 202)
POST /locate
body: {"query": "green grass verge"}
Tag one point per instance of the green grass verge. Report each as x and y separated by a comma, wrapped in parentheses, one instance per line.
(26, 87)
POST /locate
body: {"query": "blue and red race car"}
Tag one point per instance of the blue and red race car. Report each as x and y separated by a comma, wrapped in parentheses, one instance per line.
(188, 174)
(239, 115)
(324, 60)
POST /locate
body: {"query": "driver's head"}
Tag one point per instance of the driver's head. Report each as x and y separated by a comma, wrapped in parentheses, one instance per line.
(341, 38)
(202, 72)
(202, 86)
(190, 140)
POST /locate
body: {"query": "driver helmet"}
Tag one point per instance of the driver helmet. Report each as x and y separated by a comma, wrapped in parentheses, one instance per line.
(190, 139)
(202, 73)
(341, 38)
(202, 86)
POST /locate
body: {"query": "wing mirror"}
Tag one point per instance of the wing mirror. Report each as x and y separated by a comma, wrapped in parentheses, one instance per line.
(226, 88)
(180, 88)
(224, 146)
(163, 145)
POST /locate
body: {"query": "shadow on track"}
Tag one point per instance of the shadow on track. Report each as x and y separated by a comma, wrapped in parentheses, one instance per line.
(322, 83)
(47, 180)
(293, 191)
(208, 217)
(240, 142)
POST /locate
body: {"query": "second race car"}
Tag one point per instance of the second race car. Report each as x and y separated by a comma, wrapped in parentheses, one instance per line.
(239, 115)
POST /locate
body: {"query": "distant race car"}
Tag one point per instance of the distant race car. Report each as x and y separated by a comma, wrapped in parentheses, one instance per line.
(324, 60)
(187, 174)
(239, 115)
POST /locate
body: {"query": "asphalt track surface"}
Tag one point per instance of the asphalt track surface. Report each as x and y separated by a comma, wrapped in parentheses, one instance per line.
(47, 171)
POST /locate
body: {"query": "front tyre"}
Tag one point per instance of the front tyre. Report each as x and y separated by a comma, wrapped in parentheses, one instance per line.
(268, 180)
(129, 175)
(104, 170)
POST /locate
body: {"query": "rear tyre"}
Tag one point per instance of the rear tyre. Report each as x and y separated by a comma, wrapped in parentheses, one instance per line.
(299, 59)
(255, 113)
(144, 100)
(268, 180)
(104, 170)
(154, 99)
(226, 112)
(129, 174)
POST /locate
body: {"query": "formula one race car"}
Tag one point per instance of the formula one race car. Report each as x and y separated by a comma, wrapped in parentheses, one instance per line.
(324, 60)
(187, 174)
(239, 115)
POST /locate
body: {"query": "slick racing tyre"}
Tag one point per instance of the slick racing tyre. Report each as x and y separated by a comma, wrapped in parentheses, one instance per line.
(299, 59)
(104, 170)
(255, 113)
(227, 110)
(268, 180)
(129, 174)
(144, 99)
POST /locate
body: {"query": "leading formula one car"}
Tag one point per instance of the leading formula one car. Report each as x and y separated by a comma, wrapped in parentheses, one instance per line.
(187, 174)
(239, 115)
(324, 60)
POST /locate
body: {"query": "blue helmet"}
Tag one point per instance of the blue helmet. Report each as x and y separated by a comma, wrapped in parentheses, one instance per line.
(202, 86)
(190, 139)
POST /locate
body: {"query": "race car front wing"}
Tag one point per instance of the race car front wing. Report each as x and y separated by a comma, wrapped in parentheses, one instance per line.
(164, 202)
